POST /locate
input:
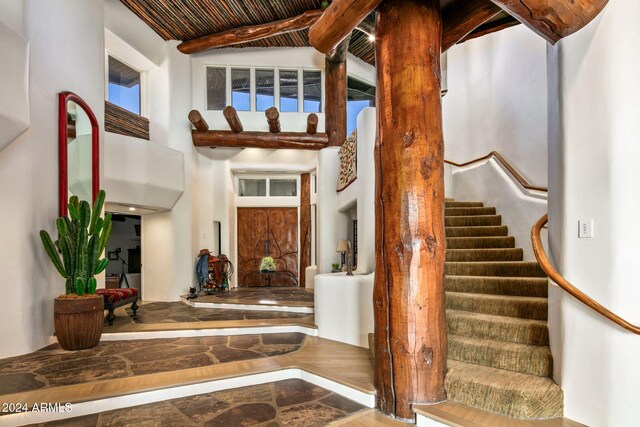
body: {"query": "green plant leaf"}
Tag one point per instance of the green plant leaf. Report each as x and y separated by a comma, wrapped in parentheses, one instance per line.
(102, 264)
(50, 249)
(79, 286)
(92, 285)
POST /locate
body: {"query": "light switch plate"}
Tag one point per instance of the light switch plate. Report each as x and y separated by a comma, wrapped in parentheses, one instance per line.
(585, 229)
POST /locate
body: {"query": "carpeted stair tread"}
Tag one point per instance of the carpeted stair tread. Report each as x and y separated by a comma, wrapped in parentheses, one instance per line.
(478, 231)
(516, 286)
(499, 328)
(499, 305)
(505, 392)
(472, 220)
(491, 254)
(481, 242)
(460, 204)
(494, 268)
(466, 211)
(523, 358)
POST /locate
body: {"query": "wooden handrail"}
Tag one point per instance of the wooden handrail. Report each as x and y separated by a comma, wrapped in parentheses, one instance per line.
(521, 180)
(554, 275)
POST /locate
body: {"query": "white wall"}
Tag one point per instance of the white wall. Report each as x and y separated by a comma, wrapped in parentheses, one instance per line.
(497, 101)
(594, 105)
(66, 42)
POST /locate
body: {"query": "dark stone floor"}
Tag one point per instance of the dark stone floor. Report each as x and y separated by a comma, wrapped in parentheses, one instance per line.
(52, 366)
(289, 403)
(176, 312)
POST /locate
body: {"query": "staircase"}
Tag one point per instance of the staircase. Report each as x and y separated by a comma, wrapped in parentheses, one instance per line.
(498, 342)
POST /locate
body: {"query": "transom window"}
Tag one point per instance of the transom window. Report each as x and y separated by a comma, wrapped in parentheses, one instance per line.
(259, 88)
(267, 186)
(359, 96)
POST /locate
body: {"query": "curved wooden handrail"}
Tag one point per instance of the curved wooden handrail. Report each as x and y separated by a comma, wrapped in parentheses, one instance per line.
(521, 180)
(554, 275)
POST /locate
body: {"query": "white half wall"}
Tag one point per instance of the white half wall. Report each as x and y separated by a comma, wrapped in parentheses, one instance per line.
(497, 101)
(14, 85)
(594, 105)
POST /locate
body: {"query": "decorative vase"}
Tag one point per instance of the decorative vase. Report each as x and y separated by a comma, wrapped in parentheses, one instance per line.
(78, 321)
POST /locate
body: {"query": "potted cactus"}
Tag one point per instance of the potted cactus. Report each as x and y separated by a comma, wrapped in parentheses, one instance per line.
(82, 237)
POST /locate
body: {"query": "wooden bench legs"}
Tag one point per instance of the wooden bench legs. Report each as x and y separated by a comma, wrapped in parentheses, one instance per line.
(112, 306)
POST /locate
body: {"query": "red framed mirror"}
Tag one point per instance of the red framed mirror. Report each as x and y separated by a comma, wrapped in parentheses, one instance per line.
(79, 150)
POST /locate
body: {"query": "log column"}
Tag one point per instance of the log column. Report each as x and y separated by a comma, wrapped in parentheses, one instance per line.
(410, 340)
(336, 94)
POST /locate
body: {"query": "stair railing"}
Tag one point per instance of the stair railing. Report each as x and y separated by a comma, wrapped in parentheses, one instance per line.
(554, 275)
(521, 180)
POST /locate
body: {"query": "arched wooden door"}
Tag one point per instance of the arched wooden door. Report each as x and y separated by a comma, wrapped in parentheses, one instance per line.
(272, 232)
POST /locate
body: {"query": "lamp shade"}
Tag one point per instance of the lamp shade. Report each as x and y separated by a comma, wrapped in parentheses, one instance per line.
(343, 246)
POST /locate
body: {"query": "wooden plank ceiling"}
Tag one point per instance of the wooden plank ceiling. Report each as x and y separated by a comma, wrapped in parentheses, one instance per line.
(189, 19)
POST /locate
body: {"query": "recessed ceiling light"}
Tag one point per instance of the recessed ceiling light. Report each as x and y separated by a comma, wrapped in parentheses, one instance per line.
(132, 209)
(372, 38)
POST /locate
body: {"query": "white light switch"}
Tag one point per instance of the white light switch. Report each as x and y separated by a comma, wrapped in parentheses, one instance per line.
(585, 229)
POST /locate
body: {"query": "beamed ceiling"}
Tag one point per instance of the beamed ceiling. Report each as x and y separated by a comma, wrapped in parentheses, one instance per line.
(190, 19)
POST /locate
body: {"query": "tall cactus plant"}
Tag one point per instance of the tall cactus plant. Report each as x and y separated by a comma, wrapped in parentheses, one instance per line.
(82, 238)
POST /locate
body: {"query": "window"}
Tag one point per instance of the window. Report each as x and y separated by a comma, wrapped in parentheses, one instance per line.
(312, 82)
(252, 187)
(265, 89)
(241, 89)
(283, 187)
(124, 86)
(216, 88)
(288, 91)
(359, 96)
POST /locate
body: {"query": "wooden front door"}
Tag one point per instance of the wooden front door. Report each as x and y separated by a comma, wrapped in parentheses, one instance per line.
(272, 232)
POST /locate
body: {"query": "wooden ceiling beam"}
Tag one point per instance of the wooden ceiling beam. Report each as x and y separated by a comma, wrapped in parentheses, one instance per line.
(553, 19)
(338, 21)
(251, 33)
(491, 27)
(462, 17)
(289, 140)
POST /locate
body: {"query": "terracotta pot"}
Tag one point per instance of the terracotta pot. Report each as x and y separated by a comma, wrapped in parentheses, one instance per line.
(78, 321)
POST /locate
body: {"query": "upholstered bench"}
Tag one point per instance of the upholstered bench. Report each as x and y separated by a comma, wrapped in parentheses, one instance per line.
(114, 298)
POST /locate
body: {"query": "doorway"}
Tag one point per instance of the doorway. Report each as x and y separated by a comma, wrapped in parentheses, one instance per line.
(267, 232)
(124, 250)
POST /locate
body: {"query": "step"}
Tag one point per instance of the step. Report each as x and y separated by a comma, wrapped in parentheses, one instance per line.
(472, 220)
(523, 358)
(504, 392)
(494, 268)
(490, 230)
(516, 286)
(466, 211)
(492, 254)
(457, 204)
(481, 242)
(499, 328)
(499, 305)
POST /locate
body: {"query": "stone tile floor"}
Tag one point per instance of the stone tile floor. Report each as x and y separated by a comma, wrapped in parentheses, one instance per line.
(282, 296)
(52, 366)
(289, 403)
(177, 312)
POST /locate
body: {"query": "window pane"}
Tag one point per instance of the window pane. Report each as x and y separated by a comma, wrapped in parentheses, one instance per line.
(312, 81)
(241, 89)
(264, 89)
(282, 187)
(216, 88)
(359, 96)
(288, 91)
(124, 86)
(252, 187)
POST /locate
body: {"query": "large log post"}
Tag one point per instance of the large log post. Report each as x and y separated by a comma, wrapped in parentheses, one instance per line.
(336, 94)
(410, 339)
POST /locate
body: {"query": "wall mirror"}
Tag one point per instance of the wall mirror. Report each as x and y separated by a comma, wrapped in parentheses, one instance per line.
(79, 155)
